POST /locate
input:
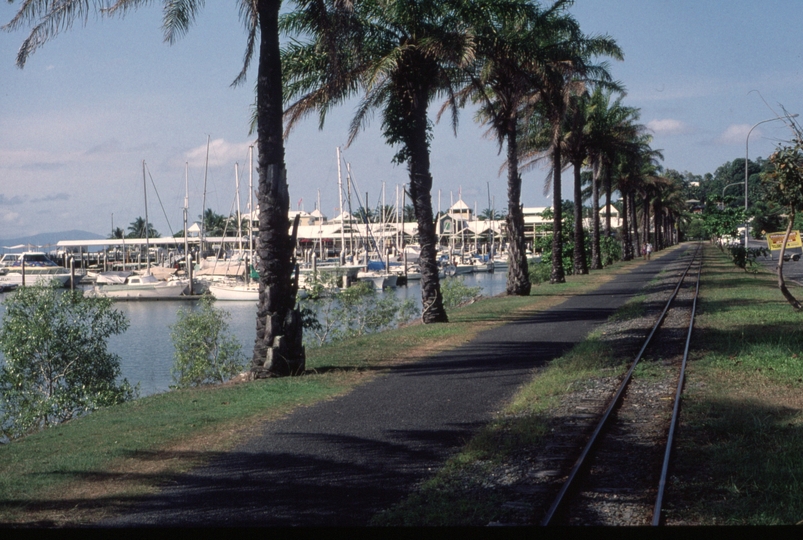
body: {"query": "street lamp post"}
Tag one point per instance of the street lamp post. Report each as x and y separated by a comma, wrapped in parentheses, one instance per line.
(746, 154)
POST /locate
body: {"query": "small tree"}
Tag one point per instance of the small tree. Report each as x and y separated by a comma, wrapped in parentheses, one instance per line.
(57, 366)
(205, 352)
(785, 185)
(333, 314)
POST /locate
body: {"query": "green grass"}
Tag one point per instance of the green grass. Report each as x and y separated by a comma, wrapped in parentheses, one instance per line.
(739, 455)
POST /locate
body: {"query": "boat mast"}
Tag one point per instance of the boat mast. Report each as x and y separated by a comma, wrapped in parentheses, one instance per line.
(203, 203)
(186, 211)
(340, 198)
(239, 216)
(147, 238)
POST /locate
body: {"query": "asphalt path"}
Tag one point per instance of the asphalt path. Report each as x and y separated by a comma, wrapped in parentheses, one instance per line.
(339, 462)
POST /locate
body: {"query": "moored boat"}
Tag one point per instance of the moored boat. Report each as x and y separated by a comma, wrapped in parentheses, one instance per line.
(145, 287)
(38, 269)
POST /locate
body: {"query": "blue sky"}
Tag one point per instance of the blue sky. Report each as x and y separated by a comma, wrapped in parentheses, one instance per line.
(90, 105)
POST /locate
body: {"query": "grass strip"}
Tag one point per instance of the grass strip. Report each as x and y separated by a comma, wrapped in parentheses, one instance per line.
(90, 467)
(739, 460)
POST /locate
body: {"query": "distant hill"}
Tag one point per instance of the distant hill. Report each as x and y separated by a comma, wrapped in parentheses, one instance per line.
(45, 240)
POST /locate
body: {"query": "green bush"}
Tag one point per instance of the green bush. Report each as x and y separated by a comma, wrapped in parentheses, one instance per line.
(331, 314)
(205, 352)
(456, 292)
(57, 366)
(610, 250)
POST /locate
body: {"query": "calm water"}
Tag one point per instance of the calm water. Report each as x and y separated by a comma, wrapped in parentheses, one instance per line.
(146, 350)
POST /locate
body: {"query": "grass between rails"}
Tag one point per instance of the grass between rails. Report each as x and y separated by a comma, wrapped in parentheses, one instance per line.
(94, 466)
(738, 447)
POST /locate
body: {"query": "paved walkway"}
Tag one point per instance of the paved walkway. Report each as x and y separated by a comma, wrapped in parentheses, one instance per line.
(339, 462)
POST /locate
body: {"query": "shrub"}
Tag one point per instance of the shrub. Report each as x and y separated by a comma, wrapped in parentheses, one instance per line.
(57, 366)
(456, 292)
(205, 352)
(331, 314)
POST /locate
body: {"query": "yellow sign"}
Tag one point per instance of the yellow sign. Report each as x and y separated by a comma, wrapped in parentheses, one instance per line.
(775, 240)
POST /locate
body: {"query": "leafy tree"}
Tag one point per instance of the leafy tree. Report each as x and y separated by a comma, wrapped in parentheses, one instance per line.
(216, 224)
(785, 184)
(117, 234)
(136, 229)
(334, 314)
(276, 315)
(456, 292)
(56, 365)
(205, 352)
(489, 214)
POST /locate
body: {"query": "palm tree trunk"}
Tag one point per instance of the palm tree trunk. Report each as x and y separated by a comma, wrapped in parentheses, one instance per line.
(518, 279)
(596, 255)
(627, 243)
(278, 349)
(558, 273)
(580, 263)
(420, 192)
(607, 205)
(634, 221)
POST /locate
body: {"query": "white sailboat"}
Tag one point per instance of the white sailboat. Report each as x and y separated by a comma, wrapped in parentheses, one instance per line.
(139, 287)
(244, 289)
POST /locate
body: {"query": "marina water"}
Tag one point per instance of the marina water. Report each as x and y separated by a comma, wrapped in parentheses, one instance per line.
(146, 350)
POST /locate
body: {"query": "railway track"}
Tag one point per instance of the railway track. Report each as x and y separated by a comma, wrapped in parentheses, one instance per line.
(621, 473)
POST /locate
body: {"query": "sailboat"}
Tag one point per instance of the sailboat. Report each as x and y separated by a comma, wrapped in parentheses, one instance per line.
(139, 287)
(378, 271)
(245, 289)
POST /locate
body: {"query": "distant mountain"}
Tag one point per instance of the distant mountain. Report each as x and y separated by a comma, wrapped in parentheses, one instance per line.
(49, 239)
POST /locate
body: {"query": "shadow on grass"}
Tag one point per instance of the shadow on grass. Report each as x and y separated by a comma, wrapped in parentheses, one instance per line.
(344, 483)
(738, 463)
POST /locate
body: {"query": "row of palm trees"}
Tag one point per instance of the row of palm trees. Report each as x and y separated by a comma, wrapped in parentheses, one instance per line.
(527, 69)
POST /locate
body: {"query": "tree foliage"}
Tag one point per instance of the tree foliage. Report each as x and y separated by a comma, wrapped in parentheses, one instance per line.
(332, 314)
(205, 352)
(57, 366)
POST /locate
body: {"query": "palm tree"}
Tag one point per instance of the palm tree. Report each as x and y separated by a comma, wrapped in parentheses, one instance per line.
(400, 55)
(276, 313)
(136, 229)
(611, 130)
(529, 61)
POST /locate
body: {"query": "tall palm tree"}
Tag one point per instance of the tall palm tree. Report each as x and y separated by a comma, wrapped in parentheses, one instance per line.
(513, 41)
(612, 129)
(278, 346)
(400, 55)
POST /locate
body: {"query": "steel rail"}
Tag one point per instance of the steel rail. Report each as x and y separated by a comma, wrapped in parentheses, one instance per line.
(568, 484)
(656, 516)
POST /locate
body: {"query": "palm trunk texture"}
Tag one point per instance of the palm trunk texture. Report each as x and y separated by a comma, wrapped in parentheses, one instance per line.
(580, 263)
(558, 273)
(278, 349)
(420, 191)
(518, 278)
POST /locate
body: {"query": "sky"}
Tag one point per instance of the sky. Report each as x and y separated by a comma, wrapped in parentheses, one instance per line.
(92, 104)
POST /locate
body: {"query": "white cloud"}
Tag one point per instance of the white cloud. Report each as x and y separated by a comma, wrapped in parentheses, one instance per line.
(736, 134)
(220, 153)
(667, 126)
